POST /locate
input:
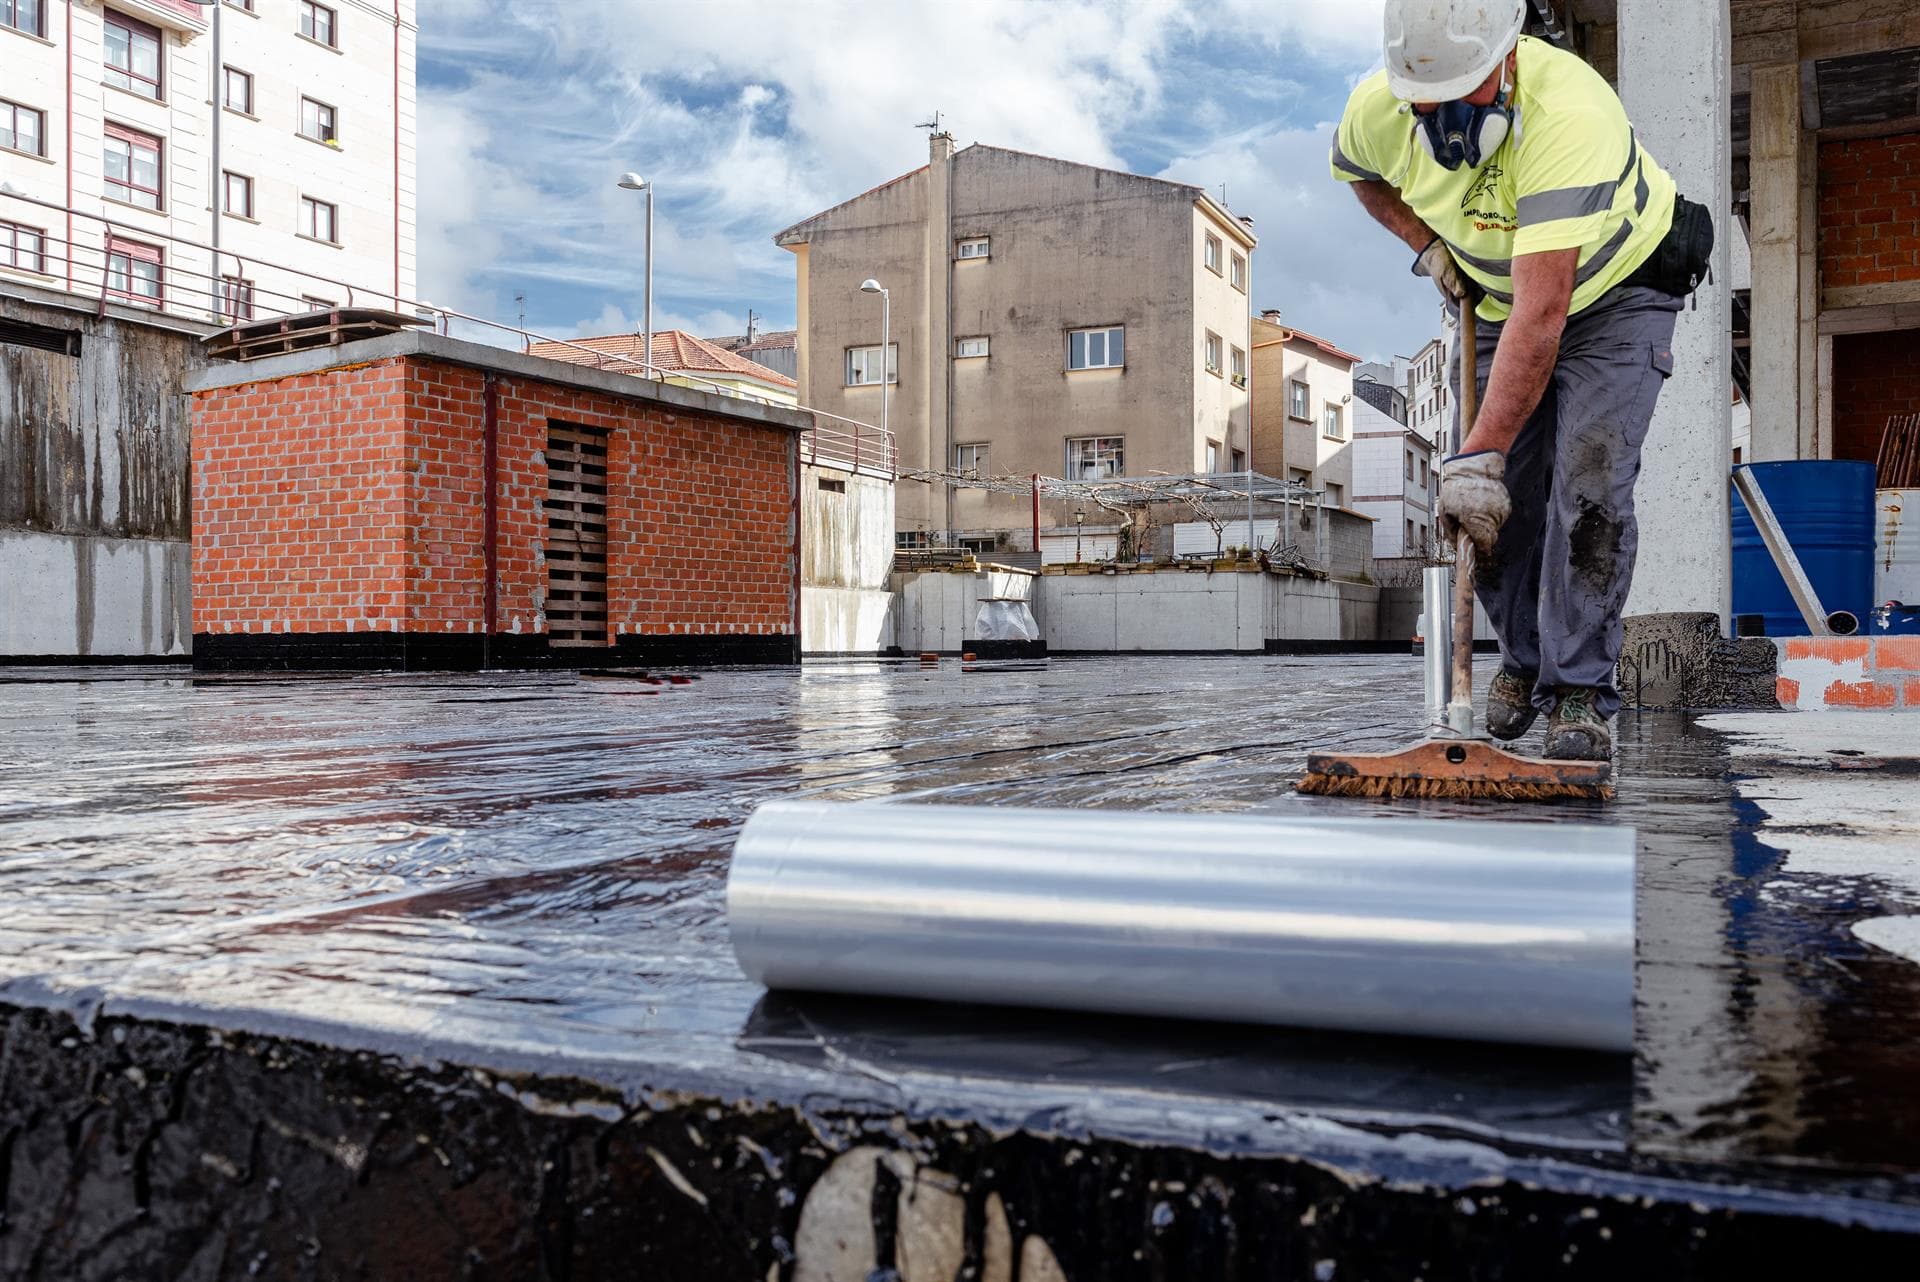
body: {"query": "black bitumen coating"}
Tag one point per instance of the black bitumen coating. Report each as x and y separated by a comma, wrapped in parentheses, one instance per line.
(524, 873)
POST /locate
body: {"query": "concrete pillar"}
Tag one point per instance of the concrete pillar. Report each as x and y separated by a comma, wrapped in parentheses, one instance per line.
(939, 363)
(1777, 359)
(1675, 74)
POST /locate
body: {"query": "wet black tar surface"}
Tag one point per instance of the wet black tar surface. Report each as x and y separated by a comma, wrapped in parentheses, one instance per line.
(380, 878)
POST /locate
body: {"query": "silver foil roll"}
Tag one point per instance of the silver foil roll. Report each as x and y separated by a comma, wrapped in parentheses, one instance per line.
(1507, 932)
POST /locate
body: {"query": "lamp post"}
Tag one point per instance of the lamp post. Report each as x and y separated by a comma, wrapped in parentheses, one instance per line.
(634, 182)
(872, 286)
(1079, 520)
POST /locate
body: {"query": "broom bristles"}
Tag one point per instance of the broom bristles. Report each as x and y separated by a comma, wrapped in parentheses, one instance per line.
(1358, 785)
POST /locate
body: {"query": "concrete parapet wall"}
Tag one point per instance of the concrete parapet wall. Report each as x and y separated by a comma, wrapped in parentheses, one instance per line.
(1199, 610)
(75, 596)
(846, 532)
(93, 481)
(846, 620)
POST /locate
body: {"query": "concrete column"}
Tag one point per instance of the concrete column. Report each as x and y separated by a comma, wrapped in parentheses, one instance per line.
(939, 363)
(1778, 405)
(1675, 74)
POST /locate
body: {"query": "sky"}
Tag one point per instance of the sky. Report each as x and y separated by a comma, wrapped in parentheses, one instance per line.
(750, 115)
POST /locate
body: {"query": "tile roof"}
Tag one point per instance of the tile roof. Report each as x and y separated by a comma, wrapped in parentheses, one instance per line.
(673, 350)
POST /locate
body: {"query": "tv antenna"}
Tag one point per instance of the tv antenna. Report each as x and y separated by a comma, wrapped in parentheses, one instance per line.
(931, 125)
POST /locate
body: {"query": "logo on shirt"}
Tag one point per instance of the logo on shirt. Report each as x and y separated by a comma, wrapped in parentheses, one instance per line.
(1485, 191)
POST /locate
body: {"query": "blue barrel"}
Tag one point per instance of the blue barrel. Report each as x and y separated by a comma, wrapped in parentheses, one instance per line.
(1826, 510)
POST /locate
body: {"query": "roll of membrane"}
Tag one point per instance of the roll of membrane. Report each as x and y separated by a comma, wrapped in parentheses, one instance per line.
(1494, 931)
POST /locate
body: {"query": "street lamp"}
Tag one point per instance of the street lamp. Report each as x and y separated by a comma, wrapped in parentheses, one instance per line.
(1079, 519)
(634, 182)
(872, 286)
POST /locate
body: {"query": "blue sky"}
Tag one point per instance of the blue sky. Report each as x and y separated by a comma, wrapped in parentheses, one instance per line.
(751, 115)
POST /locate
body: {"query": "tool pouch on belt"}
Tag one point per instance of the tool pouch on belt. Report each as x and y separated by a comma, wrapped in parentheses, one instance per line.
(1682, 259)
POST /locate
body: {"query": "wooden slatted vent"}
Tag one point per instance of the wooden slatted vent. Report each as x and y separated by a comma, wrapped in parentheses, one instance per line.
(576, 535)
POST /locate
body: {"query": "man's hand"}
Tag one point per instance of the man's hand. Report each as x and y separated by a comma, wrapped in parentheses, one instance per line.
(1434, 261)
(1473, 497)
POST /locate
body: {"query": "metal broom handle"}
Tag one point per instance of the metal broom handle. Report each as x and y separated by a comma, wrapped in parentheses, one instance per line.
(1460, 707)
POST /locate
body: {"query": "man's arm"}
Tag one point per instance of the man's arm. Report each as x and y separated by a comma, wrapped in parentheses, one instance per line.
(1391, 212)
(1529, 346)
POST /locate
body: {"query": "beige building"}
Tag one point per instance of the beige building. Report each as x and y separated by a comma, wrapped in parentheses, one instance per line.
(1302, 408)
(1045, 317)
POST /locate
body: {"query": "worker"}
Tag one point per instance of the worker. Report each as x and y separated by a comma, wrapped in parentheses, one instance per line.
(1511, 171)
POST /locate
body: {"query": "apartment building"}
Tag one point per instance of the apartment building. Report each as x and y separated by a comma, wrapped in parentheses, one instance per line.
(214, 161)
(1302, 408)
(1043, 317)
(1424, 378)
(1394, 477)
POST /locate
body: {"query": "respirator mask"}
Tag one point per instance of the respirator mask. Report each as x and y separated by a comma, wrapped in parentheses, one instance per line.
(1459, 133)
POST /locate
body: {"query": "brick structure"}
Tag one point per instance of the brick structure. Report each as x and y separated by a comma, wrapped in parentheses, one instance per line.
(1850, 672)
(1870, 235)
(1870, 211)
(341, 515)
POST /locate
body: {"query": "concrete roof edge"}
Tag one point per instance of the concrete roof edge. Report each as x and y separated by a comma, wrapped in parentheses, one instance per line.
(457, 351)
(89, 307)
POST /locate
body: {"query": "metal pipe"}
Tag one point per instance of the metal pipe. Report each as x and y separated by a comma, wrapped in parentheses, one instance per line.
(1436, 624)
(1510, 932)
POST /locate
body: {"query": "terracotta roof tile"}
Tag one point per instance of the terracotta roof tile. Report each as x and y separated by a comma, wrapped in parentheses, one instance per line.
(673, 350)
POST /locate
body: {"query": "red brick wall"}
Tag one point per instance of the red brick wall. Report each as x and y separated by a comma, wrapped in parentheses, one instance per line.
(1874, 376)
(1870, 211)
(353, 500)
(299, 504)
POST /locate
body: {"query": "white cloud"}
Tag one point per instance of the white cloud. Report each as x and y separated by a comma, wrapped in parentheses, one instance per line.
(750, 116)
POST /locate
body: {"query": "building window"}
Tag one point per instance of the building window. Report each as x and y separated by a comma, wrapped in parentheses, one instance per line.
(1239, 368)
(970, 460)
(132, 55)
(316, 304)
(317, 22)
(1297, 394)
(23, 128)
(970, 347)
(863, 365)
(239, 194)
(1211, 254)
(134, 272)
(1409, 532)
(1299, 477)
(29, 16)
(317, 121)
(237, 90)
(1239, 276)
(1097, 348)
(1212, 357)
(240, 4)
(1239, 460)
(911, 540)
(236, 298)
(1336, 494)
(319, 220)
(1423, 473)
(1409, 465)
(1094, 458)
(130, 163)
(971, 247)
(23, 247)
(1330, 424)
(1213, 457)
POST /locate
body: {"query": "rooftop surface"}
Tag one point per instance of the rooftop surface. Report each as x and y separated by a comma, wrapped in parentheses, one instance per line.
(527, 872)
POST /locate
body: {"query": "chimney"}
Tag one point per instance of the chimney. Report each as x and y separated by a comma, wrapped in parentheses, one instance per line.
(753, 322)
(1246, 220)
(939, 146)
(1271, 315)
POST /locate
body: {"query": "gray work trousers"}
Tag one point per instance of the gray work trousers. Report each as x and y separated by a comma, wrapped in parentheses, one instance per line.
(1558, 577)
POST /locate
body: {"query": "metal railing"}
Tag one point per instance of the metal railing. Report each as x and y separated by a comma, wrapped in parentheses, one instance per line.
(247, 293)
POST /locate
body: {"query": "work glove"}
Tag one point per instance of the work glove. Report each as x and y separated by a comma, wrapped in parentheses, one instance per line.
(1454, 285)
(1474, 498)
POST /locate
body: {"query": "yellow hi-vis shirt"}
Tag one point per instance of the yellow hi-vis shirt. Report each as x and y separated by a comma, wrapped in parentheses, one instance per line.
(1570, 174)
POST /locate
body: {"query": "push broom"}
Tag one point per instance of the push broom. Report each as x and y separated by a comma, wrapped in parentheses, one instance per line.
(1455, 761)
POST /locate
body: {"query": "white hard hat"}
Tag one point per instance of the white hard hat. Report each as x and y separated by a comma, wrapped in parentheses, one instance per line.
(1439, 50)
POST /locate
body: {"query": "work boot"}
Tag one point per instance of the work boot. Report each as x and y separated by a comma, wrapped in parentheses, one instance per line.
(1575, 729)
(1510, 710)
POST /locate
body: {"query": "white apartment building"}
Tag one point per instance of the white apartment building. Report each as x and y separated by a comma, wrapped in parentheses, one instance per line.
(1424, 378)
(1395, 478)
(215, 161)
